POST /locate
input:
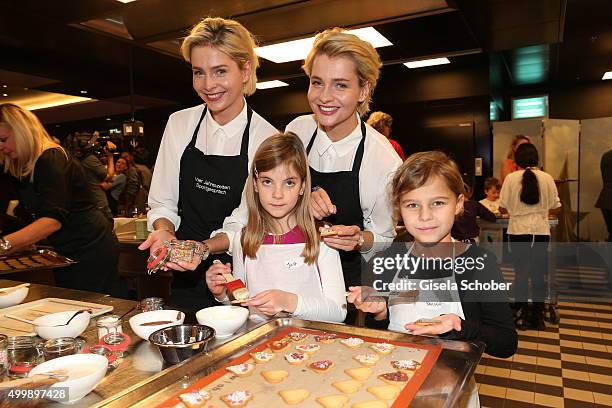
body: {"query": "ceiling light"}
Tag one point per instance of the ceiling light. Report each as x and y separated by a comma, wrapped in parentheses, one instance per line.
(427, 62)
(298, 49)
(126, 1)
(83, 92)
(271, 84)
(5, 86)
(4, 94)
(607, 75)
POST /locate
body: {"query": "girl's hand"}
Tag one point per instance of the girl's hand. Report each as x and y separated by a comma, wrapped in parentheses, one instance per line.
(321, 205)
(358, 295)
(347, 239)
(273, 301)
(156, 239)
(447, 323)
(215, 280)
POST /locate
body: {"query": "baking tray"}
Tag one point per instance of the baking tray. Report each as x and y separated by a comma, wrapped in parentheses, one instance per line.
(33, 260)
(21, 316)
(441, 388)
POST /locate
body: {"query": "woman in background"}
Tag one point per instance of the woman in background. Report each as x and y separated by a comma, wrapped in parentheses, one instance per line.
(55, 193)
(509, 164)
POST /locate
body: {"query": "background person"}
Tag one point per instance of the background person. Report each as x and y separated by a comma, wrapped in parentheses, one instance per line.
(509, 164)
(53, 189)
(383, 122)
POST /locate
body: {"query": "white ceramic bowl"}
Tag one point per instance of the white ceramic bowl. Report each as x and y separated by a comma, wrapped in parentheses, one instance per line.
(224, 319)
(84, 372)
(13, 298)
(154, 316)
(43, 325)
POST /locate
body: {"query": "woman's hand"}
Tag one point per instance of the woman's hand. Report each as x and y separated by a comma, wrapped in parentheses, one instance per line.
(447, 323)
(273, 301)
(347, 238)
(215, 280)
(156, 239)
(359, 296)
(320, 204)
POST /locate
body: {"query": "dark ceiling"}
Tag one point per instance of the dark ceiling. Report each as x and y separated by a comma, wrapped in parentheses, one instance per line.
(76, 45)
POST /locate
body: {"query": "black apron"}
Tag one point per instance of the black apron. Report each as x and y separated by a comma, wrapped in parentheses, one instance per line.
(343, 190)
(210, 187)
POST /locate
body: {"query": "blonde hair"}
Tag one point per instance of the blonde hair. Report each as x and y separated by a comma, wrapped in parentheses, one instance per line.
(380, 119)
(227, 36)
(335, 42)
(515, 142)
(31, 140)
(280, 149)
(418, 169)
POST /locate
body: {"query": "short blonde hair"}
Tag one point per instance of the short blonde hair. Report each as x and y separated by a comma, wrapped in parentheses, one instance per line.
(335, 42)
(380, 119)
(31, 140)
(228, 36)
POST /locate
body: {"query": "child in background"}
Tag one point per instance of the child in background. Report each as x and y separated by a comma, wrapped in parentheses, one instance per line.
(279, 255)
(492, 187)
(466, 225)
(427, 192)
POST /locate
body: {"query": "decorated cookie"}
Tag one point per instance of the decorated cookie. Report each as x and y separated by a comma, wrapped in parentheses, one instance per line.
(262, 357)
(352, 342)
(237, 398)
(406, 366)
(308, 348)
(242, 370)
(321, 366)
(395, 378)
(296, 358)
(195, 399)
(333, 401)
(293, 397)
(274, 376)
(382, 348)
(348, 386)
(327, 338)
(368, 359)
(385, 392)
(297, 337)
(359, 374)
(279, 346)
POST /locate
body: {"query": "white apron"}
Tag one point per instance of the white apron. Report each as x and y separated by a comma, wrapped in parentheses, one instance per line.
(281, 266)
(406, 309)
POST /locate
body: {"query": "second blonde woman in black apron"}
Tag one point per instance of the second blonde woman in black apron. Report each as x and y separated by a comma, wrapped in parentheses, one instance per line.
(203, 160)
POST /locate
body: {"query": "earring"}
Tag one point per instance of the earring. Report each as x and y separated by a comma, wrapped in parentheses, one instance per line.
(301, 192)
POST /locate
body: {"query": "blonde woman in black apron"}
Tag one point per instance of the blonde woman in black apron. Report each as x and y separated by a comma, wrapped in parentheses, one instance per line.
(204, 156)
(350, 162)
(427, 193)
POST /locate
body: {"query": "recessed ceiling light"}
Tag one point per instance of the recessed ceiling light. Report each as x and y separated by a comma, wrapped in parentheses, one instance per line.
(607, 75)
(108, 118)
(5, 86)
(298, 49)
(126, 1)
(271, 84)
(427, 62)
(4, 94)
(83, 92)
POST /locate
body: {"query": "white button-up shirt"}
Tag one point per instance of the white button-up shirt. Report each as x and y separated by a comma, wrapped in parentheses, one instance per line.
(212, 139)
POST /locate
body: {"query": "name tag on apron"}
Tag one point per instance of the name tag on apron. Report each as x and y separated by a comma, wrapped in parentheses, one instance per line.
(294, 262)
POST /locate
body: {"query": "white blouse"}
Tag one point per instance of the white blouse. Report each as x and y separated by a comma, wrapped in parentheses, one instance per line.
(524, 218)
(212, 139)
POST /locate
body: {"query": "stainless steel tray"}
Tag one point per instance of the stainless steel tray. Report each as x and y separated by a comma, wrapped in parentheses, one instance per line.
(33, 260)
(442, 388)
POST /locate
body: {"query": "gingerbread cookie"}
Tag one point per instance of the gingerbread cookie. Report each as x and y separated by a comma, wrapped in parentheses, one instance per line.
(297, 337)
(195, 399)
(348, 386)
(368, 359)
(241, 370)
(385, 392)
(352, 342)
(293, 397)
(333, 401)
(296, 358)
(262, 357)
(326, 338)
(383, 348)
(237, 398)
(321, 366)
(406, 366)
(279, 346)
(308, 348)
(274, 376)
(359, 374)
(395, 378)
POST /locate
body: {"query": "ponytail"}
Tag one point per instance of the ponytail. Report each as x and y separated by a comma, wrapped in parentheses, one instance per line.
(526, 157)
(530, 193)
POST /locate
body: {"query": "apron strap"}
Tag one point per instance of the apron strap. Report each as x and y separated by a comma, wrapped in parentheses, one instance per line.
(244, 147)
(197, 129)
(360, 149)
(311, 142)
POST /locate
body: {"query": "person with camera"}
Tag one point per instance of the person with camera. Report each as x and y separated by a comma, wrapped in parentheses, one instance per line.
(54, 192)
(97, 173)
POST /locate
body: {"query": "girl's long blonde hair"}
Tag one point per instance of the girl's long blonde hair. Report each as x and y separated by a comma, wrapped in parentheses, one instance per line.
(31, 140)
(280, 149)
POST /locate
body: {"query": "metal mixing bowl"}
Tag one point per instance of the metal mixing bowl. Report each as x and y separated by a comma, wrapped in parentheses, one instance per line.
(178, 343)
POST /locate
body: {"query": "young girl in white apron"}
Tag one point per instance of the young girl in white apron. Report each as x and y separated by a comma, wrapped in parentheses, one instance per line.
(427, 193)
(279, 255)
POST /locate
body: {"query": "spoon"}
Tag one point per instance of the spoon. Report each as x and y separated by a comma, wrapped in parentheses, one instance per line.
(73, 316)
